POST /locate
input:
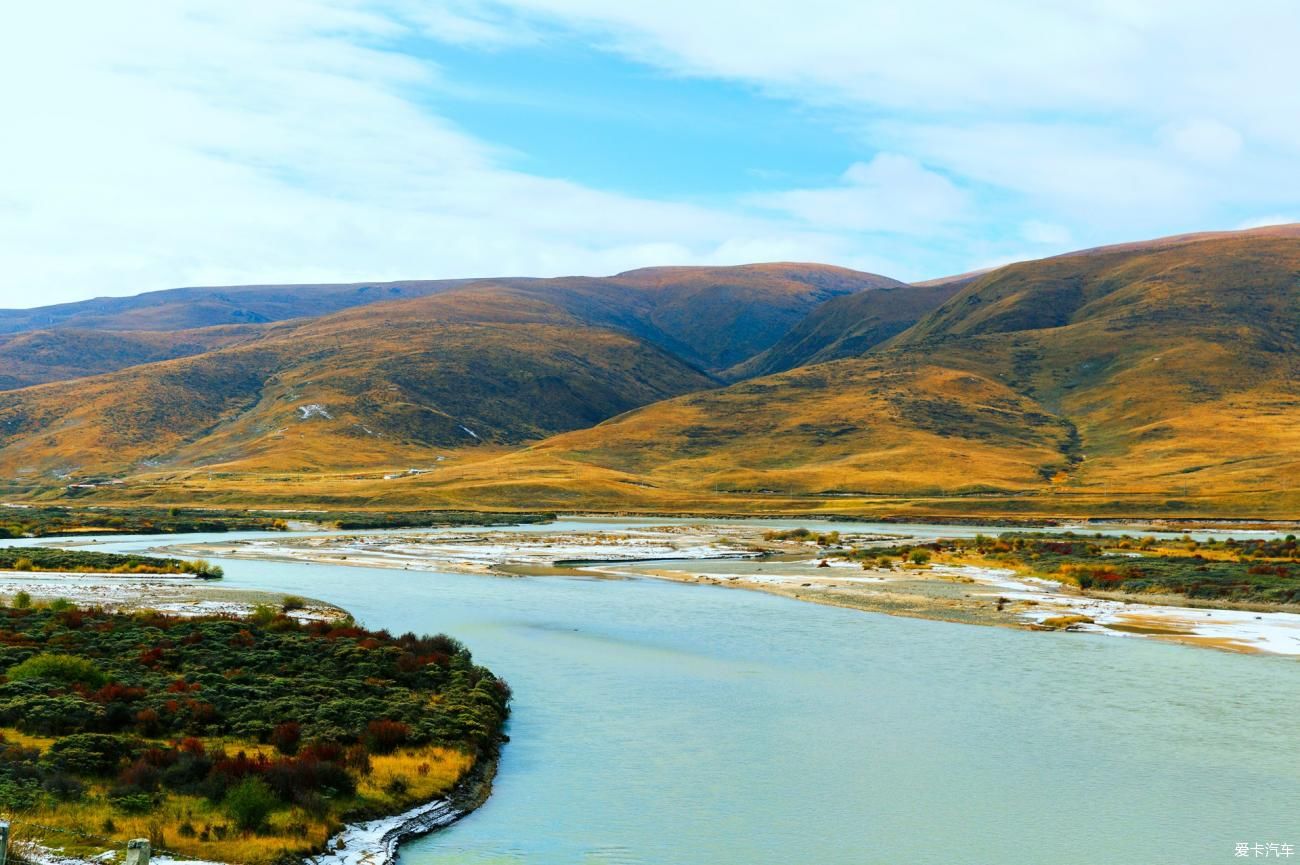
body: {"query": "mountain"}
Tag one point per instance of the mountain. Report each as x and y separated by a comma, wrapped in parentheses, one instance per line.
(493, 362)
(1159, 377)
(39, 356)
(186, 308)
(375, 385)
(1162, 376)
(848, 326)
(710, 317)
(717, 317)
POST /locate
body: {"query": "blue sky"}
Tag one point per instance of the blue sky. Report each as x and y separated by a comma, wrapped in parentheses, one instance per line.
(152, 145)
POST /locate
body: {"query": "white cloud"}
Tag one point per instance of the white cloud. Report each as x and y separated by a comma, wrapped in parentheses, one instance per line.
(891, 193)
(212, 142)
(1102, 115)
(1204, 140)
(1047, 233)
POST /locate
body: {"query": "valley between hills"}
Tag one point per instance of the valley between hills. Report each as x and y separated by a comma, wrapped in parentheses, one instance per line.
(1152, 379)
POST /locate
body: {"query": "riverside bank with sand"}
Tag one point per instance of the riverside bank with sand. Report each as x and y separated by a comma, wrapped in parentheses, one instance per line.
(743, 554)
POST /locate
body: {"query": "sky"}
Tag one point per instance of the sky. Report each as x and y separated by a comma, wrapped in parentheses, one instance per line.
(149, 144)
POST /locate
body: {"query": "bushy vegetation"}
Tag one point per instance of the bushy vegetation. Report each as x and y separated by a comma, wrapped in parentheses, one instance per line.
(1256, 570)
(236, 728)
(50, 520)
(823, 539)
(89, 561)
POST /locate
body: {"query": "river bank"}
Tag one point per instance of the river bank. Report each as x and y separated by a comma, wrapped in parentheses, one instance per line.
(175, 596)
(369, 842)
(744, 556)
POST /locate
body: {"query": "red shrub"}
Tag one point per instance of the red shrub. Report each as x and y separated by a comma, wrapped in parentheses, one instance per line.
(384, 737)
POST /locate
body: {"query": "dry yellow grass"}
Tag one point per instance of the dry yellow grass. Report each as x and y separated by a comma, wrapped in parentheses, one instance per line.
(92, 825)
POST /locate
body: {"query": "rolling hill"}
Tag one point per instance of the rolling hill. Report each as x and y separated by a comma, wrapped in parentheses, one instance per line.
(847, 326)
(465, 368)
(1156, 377)
(186, 308)
(1160, 377)
(40, 356)
(495, 362)
(710, 317)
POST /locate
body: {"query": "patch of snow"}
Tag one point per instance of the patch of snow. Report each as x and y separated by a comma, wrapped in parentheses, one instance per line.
(313, 409)
(470, 431)
(375, 842)
(1274, 633)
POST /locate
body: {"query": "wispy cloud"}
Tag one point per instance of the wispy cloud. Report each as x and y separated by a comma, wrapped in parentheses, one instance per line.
(216, 142)
(891, 194)
(1102, 115)
(212, 141)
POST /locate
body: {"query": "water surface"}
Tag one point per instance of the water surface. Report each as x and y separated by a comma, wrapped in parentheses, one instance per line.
(672, 724)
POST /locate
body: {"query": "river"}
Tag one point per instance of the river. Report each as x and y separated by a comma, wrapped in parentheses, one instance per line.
(658, 723)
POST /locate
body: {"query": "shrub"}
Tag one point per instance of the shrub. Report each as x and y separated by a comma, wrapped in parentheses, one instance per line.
(63, 786)
(132, 803)
(43, 715)
(384, 737)
(250, 804)
(292, 602)
(97, 754)
(286, 737)
(919, 557)
(68, 669)
(22, 601)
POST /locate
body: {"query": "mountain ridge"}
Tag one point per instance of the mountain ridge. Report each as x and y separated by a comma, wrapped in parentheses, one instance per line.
(1160, 374)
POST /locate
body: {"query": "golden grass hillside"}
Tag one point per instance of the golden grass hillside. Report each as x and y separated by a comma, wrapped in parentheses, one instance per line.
(1158, 378)
(710, 317)
(847, 326)
(355, 389)
(1153, 378)
(40, 356)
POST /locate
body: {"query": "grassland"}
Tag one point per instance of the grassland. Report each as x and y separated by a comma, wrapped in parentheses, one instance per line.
(55, 520)
(38, 559)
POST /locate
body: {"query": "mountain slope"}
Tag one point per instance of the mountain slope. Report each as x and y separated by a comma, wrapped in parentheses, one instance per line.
(184, 308)
(40, 356)
(1162, 373)
(847, 326)
(711, 317)
(1179, 364)
(381, 385)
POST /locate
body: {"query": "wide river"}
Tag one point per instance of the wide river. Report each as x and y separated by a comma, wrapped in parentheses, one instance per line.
(673, 724)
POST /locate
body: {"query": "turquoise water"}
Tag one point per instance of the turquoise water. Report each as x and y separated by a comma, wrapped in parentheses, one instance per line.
(663, 723)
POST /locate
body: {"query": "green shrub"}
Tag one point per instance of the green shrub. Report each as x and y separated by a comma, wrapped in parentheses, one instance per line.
(68, 669)
(94, 754)
(250, 804)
